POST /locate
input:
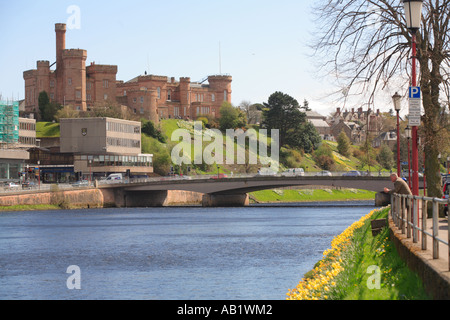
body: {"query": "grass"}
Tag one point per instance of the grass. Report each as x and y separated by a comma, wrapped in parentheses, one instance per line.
(306, 195)
(398, 282)
(30, 207)
(47, 130)
(361, 266)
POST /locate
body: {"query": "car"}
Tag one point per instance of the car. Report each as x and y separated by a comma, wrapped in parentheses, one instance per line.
(219, 176)
(28, 185)
(295, 172)
(81, 183)
(446, 192)
(324, 173)
(12, 186)
(352, 173)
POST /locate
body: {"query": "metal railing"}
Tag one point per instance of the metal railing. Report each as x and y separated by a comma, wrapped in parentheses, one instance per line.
(409, 214)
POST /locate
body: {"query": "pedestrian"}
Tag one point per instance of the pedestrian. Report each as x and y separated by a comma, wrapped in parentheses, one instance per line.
(400, 186)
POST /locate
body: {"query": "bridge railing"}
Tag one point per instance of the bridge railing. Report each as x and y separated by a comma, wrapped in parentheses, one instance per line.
(409, 213)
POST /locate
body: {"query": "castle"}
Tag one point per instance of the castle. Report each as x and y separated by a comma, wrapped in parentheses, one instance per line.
(72, 83)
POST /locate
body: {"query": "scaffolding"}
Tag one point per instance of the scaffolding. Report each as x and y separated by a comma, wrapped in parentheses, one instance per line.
(9, 123)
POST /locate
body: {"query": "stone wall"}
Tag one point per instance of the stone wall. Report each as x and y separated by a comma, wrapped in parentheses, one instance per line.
(99, 198)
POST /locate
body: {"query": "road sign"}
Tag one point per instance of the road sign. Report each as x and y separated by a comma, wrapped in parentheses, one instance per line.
(415, 106)
(415, 93)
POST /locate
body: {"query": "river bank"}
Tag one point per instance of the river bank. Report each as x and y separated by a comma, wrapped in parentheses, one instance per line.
(56, 199)
(310, 195)
(361, 266)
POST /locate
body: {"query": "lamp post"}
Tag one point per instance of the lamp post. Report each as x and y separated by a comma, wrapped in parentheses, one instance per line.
(408, 136)
(448, 165)
(413, 15)
(39, 174)
(397, 98)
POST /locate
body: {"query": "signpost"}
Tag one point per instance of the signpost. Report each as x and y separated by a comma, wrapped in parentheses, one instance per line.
(415, 106)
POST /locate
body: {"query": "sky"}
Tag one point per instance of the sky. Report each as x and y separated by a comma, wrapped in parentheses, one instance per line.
(262, 44)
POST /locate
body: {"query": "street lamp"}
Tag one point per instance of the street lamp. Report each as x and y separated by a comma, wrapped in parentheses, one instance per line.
(413, 15)
(448, 160)
(39, 174)
(397, 99)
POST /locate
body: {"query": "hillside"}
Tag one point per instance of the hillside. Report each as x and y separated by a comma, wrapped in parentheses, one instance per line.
(289, 158)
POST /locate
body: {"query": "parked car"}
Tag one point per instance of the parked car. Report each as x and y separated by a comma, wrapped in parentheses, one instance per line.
(12, 186)
(352, 173)
(446, 193)
(324, 173)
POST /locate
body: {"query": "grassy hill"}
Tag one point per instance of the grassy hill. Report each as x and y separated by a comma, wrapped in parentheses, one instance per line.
(289, 158)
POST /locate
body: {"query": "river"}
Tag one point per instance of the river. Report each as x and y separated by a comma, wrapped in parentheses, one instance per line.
(174, 253)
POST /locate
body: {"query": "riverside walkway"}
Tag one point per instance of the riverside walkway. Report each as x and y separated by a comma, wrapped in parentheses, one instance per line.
(423, 243)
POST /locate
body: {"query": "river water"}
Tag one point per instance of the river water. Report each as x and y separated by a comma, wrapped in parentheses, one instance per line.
(189, 253)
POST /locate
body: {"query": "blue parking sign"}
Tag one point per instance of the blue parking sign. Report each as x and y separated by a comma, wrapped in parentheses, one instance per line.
(415, 93)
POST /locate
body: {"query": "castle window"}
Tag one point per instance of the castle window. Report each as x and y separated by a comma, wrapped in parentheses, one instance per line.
(142, 99)
(69, 81)
(52, 84)
(78, 94)
(105, 96)
(105, 84)
(169, 95)
(88, 86)
(124, 93)
(213, 97)
(225, 95)
(159, 92)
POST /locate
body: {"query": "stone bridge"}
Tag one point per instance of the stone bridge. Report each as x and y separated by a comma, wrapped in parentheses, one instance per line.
(228, 191)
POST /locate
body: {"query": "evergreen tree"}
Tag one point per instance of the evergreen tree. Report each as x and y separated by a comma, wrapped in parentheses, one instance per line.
(343, 144)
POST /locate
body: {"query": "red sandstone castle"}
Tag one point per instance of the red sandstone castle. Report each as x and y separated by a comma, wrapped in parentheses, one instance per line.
(82, 87)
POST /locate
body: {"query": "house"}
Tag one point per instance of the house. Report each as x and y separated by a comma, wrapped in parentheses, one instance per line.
(321, 125)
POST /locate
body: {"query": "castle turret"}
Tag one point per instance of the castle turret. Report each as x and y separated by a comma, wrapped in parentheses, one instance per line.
(60, 30)
(222, 86)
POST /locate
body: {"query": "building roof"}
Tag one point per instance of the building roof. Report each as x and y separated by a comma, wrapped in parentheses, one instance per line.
(319, 123)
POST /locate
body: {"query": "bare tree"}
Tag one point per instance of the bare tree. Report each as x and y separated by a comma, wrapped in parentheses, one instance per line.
(365, 44)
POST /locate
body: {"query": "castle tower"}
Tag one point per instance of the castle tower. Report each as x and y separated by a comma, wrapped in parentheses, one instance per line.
(43, 77)
(60, 30)
(222, 86)
(74, 81)
(185, 96)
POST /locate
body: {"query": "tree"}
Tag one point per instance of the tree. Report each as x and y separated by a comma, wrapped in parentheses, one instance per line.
(231, 117)
(323, 157)
(343, 144)
(47, 109)
(369, 46)
(148, 127)
(66, 112)
(385, 157)
(282, 112)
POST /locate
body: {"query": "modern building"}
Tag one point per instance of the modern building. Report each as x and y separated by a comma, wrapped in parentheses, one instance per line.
(102, 146)
(83, 87)
(16, 136)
